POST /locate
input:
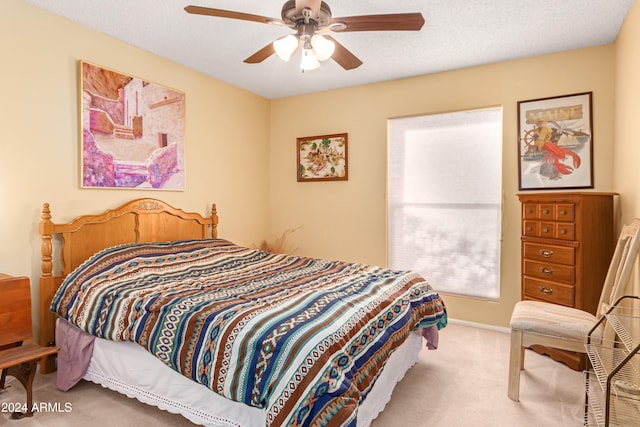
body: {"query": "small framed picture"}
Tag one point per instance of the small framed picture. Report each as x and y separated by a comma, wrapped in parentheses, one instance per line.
(555, 142)
(322, 158)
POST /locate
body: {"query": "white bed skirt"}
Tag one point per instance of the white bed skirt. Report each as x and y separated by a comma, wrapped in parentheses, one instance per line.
(128, 369)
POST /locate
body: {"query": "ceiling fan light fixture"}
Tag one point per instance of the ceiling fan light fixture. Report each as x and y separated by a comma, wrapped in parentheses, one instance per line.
(308, 17)
(309, 60)
(323, 47)
(285, 47)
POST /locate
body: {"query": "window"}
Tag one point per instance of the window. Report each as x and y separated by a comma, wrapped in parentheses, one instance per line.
(444, 199)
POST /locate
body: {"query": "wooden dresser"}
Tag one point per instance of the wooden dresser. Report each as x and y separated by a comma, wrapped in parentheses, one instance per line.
(18, 355)
(567, 243)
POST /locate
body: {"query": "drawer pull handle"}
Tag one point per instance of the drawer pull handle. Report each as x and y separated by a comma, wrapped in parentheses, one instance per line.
(563, 231)
(545, 230)
(546, 271)
(546, 291)
(545, 211)
(563, 212)
(547, 253)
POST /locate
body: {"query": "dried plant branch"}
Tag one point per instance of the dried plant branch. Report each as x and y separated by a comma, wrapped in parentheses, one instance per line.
(278, 245)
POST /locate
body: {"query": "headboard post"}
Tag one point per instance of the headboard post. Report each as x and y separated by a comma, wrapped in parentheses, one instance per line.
(47, 289)
(46, 230)
(214, 221)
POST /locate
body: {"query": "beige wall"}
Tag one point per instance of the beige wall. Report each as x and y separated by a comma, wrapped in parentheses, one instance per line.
(347, 220)
(39, 138)
(249, 171)
(626, 153)
(626, 175)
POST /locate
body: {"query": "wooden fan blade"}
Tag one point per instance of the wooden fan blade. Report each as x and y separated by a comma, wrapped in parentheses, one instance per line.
(343, 56)
(199, 10)
(261, 55)
(390, 22)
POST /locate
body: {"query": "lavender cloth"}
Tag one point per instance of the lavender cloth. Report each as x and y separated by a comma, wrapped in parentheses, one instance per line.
(76, 348)
(431, 334)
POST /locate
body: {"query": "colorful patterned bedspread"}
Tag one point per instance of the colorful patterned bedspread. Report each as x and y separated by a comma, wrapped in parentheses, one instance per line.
(303, 338)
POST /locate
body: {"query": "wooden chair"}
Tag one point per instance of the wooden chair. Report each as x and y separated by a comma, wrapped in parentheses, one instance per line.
(17, 359)
(566, 328)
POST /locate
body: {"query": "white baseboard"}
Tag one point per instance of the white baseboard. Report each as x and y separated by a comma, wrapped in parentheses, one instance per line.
(479, 325)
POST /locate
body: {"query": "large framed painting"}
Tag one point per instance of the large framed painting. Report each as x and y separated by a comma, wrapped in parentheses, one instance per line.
(132, 132)
(555, 142)
(323, 158)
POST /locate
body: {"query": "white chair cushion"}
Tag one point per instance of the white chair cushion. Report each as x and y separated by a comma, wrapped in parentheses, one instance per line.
(552, 320)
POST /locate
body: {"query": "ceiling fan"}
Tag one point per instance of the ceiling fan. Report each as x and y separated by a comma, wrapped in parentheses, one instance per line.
(312, 21)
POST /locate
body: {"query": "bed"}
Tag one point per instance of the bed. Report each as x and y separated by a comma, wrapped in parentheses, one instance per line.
(150, 302)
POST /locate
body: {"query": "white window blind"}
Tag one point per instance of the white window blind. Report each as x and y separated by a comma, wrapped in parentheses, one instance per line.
(444, 199)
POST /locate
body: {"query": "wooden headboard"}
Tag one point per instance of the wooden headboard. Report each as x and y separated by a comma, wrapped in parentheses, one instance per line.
(141, 220)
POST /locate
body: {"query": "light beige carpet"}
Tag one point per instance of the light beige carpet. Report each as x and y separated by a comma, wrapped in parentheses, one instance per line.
(463, 383)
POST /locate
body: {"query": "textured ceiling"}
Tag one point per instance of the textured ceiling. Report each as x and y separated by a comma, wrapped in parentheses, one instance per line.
(457, 34)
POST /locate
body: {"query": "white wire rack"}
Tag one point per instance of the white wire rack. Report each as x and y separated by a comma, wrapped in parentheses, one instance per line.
(612, 380)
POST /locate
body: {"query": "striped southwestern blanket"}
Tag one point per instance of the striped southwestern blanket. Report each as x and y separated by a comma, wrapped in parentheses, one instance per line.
(303, 338)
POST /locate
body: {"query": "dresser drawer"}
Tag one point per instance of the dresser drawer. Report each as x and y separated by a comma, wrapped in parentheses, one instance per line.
(530, 211)
(565, 212)
(530, 228)
(556, 293)
(547, 211)
(550, 253)
(565, 231)
(548, 230)
(549, 271)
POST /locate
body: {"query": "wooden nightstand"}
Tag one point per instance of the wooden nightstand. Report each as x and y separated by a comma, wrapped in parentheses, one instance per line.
(17, 358)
